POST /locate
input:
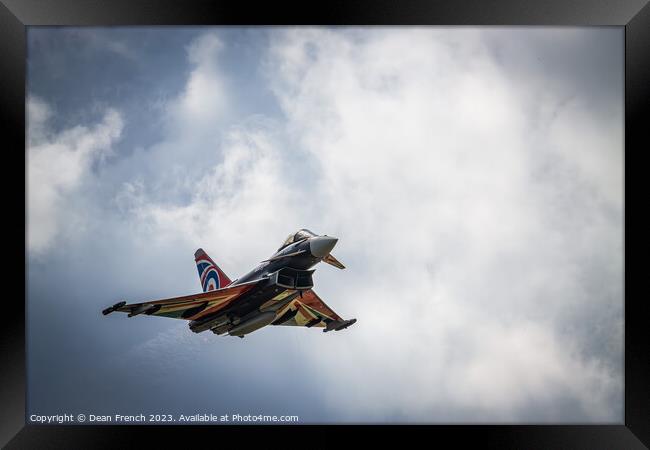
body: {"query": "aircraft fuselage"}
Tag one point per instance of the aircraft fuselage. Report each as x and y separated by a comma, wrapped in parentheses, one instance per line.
(282, 273)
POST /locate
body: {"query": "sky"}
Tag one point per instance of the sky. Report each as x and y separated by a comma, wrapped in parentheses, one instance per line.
(473, 176)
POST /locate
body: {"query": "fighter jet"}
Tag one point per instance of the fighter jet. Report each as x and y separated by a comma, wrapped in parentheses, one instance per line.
(277, 292)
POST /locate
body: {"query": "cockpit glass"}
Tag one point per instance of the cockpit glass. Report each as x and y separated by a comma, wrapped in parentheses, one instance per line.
(303, 234)
(297, 236)
(288, 240)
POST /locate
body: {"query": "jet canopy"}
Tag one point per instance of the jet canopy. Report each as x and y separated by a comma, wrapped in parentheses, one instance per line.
(297, 236)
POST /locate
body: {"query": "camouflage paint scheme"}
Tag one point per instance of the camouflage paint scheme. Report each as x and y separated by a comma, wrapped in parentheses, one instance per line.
(261, 297)
(309, 306)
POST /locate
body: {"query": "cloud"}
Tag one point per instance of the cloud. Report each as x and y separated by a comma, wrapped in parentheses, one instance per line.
(57, 166)
(466, 255)
(457, 234)
(190, 130)
(467, 207)
(244, 195)
(100, 41)
(204, 98)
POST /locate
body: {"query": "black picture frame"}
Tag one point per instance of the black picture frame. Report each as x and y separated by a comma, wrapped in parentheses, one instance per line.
(16, 15)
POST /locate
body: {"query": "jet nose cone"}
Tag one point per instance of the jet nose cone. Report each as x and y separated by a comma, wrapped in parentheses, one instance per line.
(321, 246)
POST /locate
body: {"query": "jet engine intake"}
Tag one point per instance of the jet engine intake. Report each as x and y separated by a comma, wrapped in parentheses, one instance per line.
(290, 278)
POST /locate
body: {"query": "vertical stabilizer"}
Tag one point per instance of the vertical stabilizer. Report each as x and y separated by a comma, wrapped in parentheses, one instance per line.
(210, 275)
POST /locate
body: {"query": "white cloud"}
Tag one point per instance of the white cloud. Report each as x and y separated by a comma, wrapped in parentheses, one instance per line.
(589, 155)
(243, 195)
(478, 232)
(423, 138)
(203, 101)
(463, 267)
(191, 130)
(57, 166)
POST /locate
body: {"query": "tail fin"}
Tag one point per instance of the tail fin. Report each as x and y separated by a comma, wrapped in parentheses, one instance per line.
(211, 276)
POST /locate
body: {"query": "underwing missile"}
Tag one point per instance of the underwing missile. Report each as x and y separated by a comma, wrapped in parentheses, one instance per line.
(198, 326)
(346, 323)
(252, 324)
(339, 325)
(115, 307)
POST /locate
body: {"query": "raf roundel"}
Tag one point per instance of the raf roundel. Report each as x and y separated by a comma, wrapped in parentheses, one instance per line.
(209, 275)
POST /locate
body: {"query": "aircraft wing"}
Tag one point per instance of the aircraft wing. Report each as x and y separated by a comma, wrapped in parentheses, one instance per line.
(189, 307)
(309, 310)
